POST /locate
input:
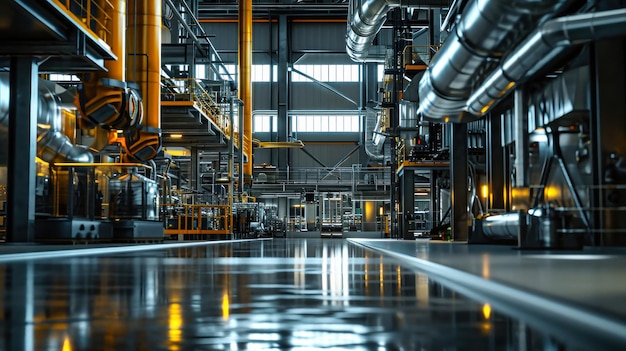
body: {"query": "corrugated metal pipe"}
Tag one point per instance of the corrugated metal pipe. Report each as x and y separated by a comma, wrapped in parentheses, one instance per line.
(485, 31)
(366, 17)
(543, 47)
(52, 144)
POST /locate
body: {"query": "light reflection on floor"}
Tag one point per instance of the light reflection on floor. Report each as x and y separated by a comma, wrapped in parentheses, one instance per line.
(276, 294)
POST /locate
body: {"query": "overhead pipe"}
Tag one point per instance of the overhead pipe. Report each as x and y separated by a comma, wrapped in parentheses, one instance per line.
(245, 82)
(366, 18)
(541, 49)
(486, 30)
(52, 144)
(143, 46)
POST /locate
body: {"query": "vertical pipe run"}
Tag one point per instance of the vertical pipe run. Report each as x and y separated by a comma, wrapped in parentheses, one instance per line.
(521, 139)
(116, 39)
(245, 79)
(144, 48)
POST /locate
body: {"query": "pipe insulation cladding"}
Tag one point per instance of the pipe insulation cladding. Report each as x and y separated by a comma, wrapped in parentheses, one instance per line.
(52, 144)
(366, 18)
(542, 48)
(486, 30)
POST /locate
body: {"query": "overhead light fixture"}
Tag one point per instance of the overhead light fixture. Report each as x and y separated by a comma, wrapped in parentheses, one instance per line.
(176, 136)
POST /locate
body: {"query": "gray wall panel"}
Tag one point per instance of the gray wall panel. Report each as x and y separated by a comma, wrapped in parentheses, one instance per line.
(312, 96)
(262, 95)
(318, 36)
(329, 154)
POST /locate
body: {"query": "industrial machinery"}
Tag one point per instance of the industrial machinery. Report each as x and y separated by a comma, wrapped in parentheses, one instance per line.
(80, 202)
(514, 116)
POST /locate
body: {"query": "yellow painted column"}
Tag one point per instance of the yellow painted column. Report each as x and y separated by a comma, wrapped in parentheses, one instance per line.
(245, 81)
(116, 38)
(143, 46)
(143, 66)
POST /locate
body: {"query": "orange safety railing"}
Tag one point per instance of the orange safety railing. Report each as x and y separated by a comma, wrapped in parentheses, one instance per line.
(190, 219)
(93, 14)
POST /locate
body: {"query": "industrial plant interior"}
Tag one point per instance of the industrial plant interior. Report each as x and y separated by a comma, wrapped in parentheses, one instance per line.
(313, 174)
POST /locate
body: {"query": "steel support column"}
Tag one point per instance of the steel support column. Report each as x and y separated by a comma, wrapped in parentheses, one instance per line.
(194, 172)
(407, 200)
(607, 128)
(434, 33)
(520, 117)
(435, 216)
(283, 91)
(495, 163)
(458, 175)
(22, 147)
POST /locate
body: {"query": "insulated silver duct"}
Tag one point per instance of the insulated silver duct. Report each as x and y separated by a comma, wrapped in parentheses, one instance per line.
(486, 30)
(52, 144)
(366, 17)
(541, 48)
(374, 151)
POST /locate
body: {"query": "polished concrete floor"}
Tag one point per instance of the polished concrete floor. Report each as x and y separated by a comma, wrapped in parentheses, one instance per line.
(310, 294)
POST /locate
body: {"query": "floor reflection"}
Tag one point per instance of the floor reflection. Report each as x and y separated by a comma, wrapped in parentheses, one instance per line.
(267, 295)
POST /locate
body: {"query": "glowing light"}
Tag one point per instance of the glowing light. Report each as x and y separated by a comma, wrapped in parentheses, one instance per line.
(67, 345)
(551, 193)
(225, 307)
(175, 323)
(484, 191)
(176, 136)
(486, 311)
(486, 270)
(486, 107)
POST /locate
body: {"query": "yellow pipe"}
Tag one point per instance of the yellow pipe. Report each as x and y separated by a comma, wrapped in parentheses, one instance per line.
(116, 38)
(245, 80)
(143, 46)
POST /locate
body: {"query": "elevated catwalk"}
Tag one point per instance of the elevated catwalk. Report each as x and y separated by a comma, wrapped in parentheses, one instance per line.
(307, 294)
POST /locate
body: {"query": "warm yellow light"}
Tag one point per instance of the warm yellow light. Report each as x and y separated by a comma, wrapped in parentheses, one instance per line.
(225, 307)
(484, 191)
(381, 211)
(175, 324)
(551, 193)
(486, 107)
(67, 345)
(486, 311)
(176, 136)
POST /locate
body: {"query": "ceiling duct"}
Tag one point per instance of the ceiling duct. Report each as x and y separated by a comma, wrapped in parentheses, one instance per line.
(366, 17)
(485, 31)
(543, 47)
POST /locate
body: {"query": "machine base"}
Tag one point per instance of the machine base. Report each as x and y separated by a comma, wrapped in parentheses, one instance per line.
(130, 229)
(64, 229)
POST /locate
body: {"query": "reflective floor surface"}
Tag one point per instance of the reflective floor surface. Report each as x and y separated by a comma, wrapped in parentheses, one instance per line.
(280, 294)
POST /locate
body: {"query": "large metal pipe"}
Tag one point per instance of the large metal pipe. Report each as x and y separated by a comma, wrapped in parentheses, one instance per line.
(540, 49)
(486, 30)
(504, 226)
(144, 50)
(366, 17)
(245, 80)
(52, 144)
(143, 46)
